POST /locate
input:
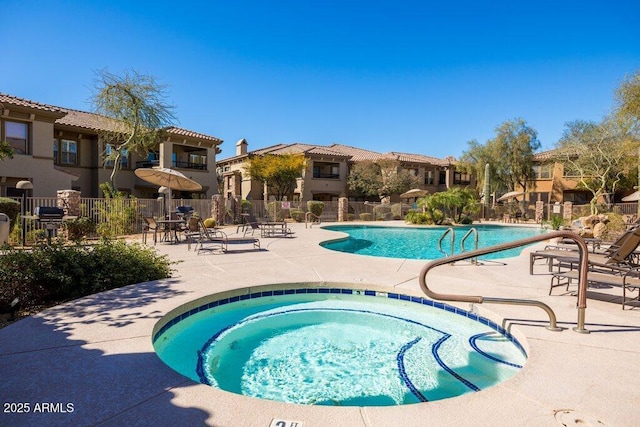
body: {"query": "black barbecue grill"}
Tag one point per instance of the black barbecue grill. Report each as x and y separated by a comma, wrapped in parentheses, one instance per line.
(51, 217)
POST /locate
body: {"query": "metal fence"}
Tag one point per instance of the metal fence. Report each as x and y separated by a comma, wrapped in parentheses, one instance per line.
(117, 217)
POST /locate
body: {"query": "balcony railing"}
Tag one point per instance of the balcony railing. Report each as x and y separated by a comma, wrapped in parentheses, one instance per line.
(175, 164)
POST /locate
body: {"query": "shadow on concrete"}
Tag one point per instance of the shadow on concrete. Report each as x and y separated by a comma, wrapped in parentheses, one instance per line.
(49, 377)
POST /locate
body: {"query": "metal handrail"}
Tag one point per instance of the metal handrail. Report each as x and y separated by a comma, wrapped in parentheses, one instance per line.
(453, 241)
(315, 218)
(471, 231)
(582, 278)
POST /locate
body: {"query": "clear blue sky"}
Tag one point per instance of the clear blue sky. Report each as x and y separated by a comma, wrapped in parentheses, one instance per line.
(412, 76)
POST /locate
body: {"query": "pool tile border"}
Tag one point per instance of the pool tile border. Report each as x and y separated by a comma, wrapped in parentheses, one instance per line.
(333, 290)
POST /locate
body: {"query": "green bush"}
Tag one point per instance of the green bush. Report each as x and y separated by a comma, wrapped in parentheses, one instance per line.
(416, 217)
(11, 208)
(246, 206)
(50, 274)
(366, 216)
(315, 207)
(351, 217)
(209, 222)
(297, 215)
(79, 228)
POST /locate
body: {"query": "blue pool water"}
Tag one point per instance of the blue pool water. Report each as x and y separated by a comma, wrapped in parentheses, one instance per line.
(422, 242)
(337, 346)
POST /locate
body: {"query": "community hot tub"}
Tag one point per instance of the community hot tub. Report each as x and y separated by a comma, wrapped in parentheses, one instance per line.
(336, 344)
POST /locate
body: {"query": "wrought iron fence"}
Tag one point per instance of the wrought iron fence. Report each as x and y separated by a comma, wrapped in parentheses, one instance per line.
(118, 217)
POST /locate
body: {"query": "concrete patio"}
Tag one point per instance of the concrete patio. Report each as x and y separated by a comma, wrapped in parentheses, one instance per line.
(92, 362)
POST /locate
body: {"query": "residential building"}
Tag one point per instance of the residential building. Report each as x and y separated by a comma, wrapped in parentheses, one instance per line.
(59, 149)
(555, 183)
(325, 177)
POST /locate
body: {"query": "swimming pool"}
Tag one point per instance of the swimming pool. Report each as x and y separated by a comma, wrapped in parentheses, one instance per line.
(340, 345)
(422, 242)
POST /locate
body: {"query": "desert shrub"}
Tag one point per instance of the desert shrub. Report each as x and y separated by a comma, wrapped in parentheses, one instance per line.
(315, 207)
(79, 228)
(55, 273)
(297, 215)
(209, 222)
(416, 217)
(351, 217)
(366, 216)
(11, 208)
(246, 206)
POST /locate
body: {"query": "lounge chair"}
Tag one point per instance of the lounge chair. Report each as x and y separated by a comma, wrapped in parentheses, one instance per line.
(250, 223)
(220, 238)
(622, 252)
(618, 276)
(192, 232)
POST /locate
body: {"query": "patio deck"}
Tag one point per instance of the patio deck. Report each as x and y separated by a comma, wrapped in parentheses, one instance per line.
(96, 353)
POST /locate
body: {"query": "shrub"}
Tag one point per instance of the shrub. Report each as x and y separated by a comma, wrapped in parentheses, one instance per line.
(297, 215)
(416, 217)
(246, 206)
(351, 217)
(11, 208)
(396, 210)
(209, 222)
(366, 216)
(315, 207)
(50, 274)
(79, 228)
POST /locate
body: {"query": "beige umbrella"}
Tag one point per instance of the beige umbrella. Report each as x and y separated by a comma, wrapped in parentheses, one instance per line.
(169, 178)
(633, 197)
(510, 195)
(416, 192)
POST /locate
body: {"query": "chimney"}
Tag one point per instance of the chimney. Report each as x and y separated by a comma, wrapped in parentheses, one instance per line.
(241, 147)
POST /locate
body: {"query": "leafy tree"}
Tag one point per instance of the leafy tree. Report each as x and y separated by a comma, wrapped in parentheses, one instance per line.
(6, 151)
(597, 154)
(380, 178)
(458, 204)
(135, 112)
(628, 102)
(509, 155)
(279, 172)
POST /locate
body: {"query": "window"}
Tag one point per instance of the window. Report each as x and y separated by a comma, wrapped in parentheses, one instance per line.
(17, 135)
(542, 171)
(326, 170)
(428, 177)
(442, 178)
(124, 160)
(460, 178)
(65, 152)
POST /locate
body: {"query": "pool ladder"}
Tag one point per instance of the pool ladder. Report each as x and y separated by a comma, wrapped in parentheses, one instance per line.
(450, 231)
(582, 281)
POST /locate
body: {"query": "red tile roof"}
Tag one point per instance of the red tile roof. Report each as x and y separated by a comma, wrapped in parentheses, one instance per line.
(9, 100)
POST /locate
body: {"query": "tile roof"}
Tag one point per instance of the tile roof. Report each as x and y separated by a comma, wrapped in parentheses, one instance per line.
(21, 102)
(184, 132)
(418, 158)
(543, 155)
(91, 121)
(357, 154)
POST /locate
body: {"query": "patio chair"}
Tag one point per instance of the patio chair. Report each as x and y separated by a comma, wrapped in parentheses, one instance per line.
(150, 227)
(220, 238)
(627, 278)
(192, 231)
(251, 223)
(622, 252)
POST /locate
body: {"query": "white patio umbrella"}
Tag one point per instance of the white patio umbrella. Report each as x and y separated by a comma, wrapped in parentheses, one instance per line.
(416, 192)
(633, 197)
(510, 195)
(165, 177)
